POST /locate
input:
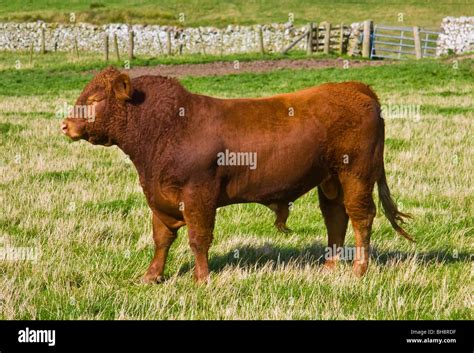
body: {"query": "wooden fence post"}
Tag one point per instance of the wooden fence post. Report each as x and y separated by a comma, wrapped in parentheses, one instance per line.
(130, 43)
(116, 47)
(366, 42)
(260, 40)
(327, 38)
(222, 42)
(31, 53)
(309, 43)
(76, 48)
(159, 43)
(106, 46)
(43, 41)
(168, 41)
(316, 37)
(341, 39)
(416, 39)
(203, 45)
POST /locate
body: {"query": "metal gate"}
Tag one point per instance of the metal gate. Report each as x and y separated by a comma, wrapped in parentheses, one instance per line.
(400, 43)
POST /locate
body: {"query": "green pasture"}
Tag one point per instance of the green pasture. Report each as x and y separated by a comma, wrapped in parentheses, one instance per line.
(82, 209)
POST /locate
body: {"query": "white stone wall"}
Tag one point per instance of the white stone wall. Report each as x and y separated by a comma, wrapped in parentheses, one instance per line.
(232, 39)
(354, 47)
(457, 35)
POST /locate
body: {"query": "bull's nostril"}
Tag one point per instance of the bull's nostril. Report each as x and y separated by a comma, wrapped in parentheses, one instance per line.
(64, 127)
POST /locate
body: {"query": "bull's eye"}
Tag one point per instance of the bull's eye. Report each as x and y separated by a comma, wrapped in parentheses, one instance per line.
(94, 98)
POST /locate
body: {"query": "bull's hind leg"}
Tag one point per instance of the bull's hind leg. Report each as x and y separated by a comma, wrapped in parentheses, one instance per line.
(335, 217)
(361, 210)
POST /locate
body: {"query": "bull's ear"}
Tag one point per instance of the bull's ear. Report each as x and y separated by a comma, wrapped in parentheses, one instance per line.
(122, 87)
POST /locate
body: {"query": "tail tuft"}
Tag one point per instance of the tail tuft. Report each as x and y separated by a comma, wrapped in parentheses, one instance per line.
(390, 208)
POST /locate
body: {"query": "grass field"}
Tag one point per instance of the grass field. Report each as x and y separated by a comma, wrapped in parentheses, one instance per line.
(82, 207)
(220, 13)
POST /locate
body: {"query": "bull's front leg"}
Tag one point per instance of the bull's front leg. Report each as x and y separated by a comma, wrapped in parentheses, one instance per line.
(200, 205)
(164, 234)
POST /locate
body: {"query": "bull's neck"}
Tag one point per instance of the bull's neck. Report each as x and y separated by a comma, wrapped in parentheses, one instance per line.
(129, 142)
(150, 129)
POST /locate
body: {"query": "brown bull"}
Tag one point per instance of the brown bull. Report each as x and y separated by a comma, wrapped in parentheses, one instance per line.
(195, 153)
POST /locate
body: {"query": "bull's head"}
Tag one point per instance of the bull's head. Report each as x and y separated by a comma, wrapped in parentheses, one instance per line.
(98, 108)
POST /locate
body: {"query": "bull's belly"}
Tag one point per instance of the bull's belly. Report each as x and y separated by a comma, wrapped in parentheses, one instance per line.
(271, 189)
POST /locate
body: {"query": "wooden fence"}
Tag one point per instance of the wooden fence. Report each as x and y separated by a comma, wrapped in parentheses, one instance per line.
(324, 37)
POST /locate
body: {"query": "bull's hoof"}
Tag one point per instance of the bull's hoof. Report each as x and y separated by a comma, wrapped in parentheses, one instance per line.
(204, 279)
(359, 269)
(282, 228)
(152, 279)
(331, 264)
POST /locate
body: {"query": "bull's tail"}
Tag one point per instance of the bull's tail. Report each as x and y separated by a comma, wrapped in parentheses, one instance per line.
(390, 208)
